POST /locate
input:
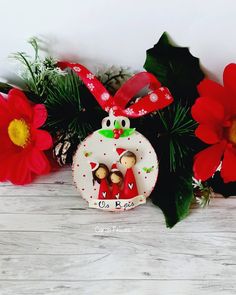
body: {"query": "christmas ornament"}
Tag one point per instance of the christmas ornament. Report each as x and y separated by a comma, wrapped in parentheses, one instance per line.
(129, 186)
(22, 143)
(127, 183)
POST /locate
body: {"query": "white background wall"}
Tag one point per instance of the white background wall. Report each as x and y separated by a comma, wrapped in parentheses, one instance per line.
(119, 32)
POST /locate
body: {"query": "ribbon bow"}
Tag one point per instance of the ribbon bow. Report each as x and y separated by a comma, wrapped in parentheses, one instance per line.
(158, 97)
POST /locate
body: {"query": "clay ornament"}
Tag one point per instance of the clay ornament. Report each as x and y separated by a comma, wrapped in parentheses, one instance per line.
(109, 172)
(109, 166)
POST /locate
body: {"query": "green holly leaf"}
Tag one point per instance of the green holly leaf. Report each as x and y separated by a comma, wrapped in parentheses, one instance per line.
(183, 194)
(176, 68)
(108, 133)
(127, 132)
(173, 194)
(148, 170)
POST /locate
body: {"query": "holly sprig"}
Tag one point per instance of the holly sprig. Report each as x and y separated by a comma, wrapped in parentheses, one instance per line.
(173, 136)
(117, 132)
(148, 170)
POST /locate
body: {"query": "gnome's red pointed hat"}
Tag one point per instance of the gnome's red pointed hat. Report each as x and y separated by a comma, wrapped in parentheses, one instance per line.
(120, 152)
(114, 167)
(93, 165)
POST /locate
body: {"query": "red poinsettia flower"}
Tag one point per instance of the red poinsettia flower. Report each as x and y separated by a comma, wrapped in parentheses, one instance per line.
(215, 111)
(21, 142)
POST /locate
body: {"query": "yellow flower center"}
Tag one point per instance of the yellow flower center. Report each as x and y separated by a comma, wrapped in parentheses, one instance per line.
(19, 132)
(232, 132)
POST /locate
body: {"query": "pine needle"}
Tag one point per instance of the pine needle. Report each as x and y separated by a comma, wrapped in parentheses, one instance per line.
(178, 127)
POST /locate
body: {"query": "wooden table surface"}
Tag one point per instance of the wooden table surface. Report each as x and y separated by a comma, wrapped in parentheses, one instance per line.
(51, 243)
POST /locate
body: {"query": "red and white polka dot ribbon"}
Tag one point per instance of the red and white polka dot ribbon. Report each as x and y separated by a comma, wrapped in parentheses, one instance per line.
(158, 97)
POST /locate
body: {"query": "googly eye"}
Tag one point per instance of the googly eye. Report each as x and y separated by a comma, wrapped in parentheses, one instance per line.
(107, 123)
(123, 123)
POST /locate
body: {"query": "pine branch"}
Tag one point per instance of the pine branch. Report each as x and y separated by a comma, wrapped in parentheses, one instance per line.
(38, 74)
(22, 57)
(34, 43)
(66, 113)
(177, 127)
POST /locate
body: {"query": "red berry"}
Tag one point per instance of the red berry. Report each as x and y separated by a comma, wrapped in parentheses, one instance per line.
(115, 130)
(116, 135)
(120, 131)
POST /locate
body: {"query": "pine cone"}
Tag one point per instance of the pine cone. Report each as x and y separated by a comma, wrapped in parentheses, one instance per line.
(64, 148)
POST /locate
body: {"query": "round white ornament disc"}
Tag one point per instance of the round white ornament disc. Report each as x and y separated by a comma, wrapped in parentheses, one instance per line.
(101, 148)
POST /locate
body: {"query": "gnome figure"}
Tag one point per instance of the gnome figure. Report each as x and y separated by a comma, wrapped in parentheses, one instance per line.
(115, 179)
(100, 174)
(128, 160)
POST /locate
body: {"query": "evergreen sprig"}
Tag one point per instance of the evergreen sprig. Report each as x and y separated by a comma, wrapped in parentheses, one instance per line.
(38, 73)
(65, 111)
(72, 115)
(178, 128)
